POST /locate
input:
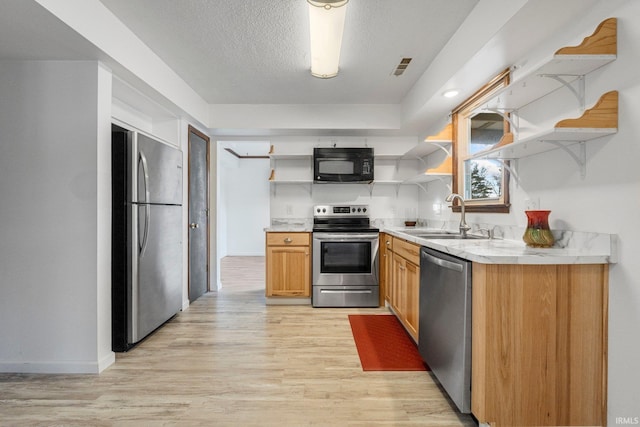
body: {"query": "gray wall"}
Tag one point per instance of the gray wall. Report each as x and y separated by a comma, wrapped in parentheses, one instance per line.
(54, 221)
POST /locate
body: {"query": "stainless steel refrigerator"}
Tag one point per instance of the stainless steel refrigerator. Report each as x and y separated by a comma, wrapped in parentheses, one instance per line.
(147, 236)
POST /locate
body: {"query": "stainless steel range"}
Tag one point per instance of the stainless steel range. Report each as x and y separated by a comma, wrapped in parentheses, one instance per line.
(345, 257)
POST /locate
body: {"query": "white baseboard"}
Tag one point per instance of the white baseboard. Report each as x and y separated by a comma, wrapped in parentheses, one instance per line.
(106, 361)
(71, 367)
(247, 254)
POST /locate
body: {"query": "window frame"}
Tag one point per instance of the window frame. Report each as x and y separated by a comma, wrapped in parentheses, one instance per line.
(460, 117)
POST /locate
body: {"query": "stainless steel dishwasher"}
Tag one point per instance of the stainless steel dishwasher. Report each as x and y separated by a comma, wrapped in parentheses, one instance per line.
(444, 339)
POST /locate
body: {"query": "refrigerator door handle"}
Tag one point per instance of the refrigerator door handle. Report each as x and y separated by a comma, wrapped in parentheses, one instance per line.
(142, 162)
(145, 236)
(132, 286)
(142, 165)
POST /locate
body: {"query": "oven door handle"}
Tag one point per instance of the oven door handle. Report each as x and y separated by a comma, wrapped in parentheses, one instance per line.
(345, 291)
(345, 237)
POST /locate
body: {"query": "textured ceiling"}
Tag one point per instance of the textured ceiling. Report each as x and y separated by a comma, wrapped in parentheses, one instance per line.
(256, 51)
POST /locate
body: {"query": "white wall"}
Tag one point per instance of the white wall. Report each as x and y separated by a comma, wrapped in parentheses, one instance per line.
(388, 203)
(103, 226)
(93, 21)
(55, 217)
(246, 204)
(606, 201)
(222, 210)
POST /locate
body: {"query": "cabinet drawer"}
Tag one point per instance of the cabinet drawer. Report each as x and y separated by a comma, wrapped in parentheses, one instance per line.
(288, 239)
(409, 251)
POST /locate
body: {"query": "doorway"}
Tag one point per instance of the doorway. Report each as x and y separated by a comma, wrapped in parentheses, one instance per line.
(199, 224)
(243, 197)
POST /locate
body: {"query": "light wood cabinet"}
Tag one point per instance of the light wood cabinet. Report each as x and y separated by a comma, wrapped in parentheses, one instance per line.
(288, 265)
(385, 267)
(398, 278)
(539, 344)
(412, 300)
(404, 293)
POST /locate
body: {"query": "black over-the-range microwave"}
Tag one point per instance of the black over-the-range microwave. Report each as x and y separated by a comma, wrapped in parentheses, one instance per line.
(348, 165)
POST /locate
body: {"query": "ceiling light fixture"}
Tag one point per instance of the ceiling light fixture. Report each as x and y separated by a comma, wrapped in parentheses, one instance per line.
(326, 22)
(450, 93)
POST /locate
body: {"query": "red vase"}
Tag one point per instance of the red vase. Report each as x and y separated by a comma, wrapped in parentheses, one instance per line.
(538, 234)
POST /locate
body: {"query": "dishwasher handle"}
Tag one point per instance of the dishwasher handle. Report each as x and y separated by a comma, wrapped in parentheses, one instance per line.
(443, 262)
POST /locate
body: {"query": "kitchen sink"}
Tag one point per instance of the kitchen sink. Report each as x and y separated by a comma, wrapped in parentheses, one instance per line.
(449, 236)
(424, 232)
(441, 234)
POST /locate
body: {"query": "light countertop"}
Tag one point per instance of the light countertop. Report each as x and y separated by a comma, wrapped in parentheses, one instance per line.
(288, 228)
(499, 251)
(570, 248)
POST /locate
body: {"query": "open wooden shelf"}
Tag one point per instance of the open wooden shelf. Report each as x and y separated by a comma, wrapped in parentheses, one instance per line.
(567, 65)
(601, 120)
(567, 68)
(441, 172)
(541, 143)
(431, 144)
(290, 156)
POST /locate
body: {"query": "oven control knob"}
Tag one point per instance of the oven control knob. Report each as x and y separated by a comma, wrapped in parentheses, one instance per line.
(359, 209)
(353, 209)
(318, 210)
(324, 210)
(364, 209)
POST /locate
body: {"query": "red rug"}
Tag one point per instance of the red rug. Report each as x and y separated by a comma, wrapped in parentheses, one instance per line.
(383, 344)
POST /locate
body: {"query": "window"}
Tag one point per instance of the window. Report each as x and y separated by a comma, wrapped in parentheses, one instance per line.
(484, 184)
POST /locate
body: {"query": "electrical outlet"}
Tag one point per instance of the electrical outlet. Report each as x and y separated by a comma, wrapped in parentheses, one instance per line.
(289, 209)
(437, 209)
(532, 204)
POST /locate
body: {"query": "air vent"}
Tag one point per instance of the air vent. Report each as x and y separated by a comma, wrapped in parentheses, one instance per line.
(404, 63)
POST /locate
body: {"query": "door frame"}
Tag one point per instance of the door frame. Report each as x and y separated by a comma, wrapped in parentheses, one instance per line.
(193, 130)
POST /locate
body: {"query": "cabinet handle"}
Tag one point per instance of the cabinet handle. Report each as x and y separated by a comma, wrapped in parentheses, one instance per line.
(288, 240)
(388, 243)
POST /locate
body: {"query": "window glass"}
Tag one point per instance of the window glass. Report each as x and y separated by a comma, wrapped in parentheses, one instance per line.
(483, 183)
(482, 177)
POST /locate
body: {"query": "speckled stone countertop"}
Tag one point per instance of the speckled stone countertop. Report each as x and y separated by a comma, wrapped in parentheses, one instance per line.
(287, 225)
(586, 248)
(287, 228)
(570, 248)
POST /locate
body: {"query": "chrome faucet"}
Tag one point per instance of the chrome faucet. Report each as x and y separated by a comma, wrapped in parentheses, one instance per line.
(463, 223)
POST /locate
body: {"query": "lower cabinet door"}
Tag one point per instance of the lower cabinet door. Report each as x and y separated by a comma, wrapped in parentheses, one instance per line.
(412, 300)
(288, 271)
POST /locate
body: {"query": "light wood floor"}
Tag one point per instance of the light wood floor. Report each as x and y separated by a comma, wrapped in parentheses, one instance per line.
(229, 360)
